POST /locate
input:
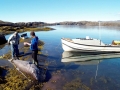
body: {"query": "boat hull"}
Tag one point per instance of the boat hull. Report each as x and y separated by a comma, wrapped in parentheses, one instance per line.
(71, 46)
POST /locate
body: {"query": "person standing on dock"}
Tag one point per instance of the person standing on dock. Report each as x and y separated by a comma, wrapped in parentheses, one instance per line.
(13, 40)
(34, 47)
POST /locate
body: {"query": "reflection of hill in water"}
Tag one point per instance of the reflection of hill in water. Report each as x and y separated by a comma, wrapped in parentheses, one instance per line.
(91, 27)
(92, 62)
(87, 59)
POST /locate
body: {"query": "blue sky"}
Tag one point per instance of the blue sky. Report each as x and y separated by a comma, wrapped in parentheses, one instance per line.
(59, 10)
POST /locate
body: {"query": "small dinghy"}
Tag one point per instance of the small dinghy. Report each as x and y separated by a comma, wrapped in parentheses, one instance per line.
(89, 45)
(28, 68)
(24, 36)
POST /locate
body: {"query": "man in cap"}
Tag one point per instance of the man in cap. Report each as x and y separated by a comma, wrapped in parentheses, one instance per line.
(14, 42)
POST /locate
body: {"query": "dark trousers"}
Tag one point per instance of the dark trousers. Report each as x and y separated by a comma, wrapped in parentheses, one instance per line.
(14, 50)
(34, 56)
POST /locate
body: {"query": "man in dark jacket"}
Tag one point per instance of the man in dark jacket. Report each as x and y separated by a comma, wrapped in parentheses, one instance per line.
(34, 47)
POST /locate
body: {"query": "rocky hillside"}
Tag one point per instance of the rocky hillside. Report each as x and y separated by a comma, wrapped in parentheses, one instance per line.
(21, 24)
(85, 23)
(90, 23)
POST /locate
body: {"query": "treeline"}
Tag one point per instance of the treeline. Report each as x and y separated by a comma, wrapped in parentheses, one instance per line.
(85, 23)
(9, 27)
(90, 23)
(22, 24)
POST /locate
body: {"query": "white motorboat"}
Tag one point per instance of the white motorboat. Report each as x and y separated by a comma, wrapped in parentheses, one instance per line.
(89, 45)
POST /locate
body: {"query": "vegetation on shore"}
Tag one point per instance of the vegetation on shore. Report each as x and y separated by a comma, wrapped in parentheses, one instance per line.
(14, 80)
(9, 29)
(2, 79)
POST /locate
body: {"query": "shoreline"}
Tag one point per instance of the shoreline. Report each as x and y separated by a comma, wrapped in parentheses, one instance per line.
(12, 78)
(9, 29)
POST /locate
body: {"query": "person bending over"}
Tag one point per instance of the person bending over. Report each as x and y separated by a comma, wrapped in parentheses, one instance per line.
(13, 40)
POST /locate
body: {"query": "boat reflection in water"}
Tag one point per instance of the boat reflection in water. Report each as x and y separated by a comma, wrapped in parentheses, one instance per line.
(87, 59)
(78, 57)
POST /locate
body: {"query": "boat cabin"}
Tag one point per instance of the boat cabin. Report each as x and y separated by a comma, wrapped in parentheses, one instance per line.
(88, 41)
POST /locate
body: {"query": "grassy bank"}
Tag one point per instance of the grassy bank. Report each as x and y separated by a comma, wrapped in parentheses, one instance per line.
(14, 80)
(9, 29)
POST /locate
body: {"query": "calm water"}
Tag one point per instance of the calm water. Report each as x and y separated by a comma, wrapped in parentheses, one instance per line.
(97, 74)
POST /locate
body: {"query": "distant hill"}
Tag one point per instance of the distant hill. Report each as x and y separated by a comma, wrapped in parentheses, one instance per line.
(4, 22)
(118, 20)
(90, 23)
(22, 24)
(80, 23)
(1, 21)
